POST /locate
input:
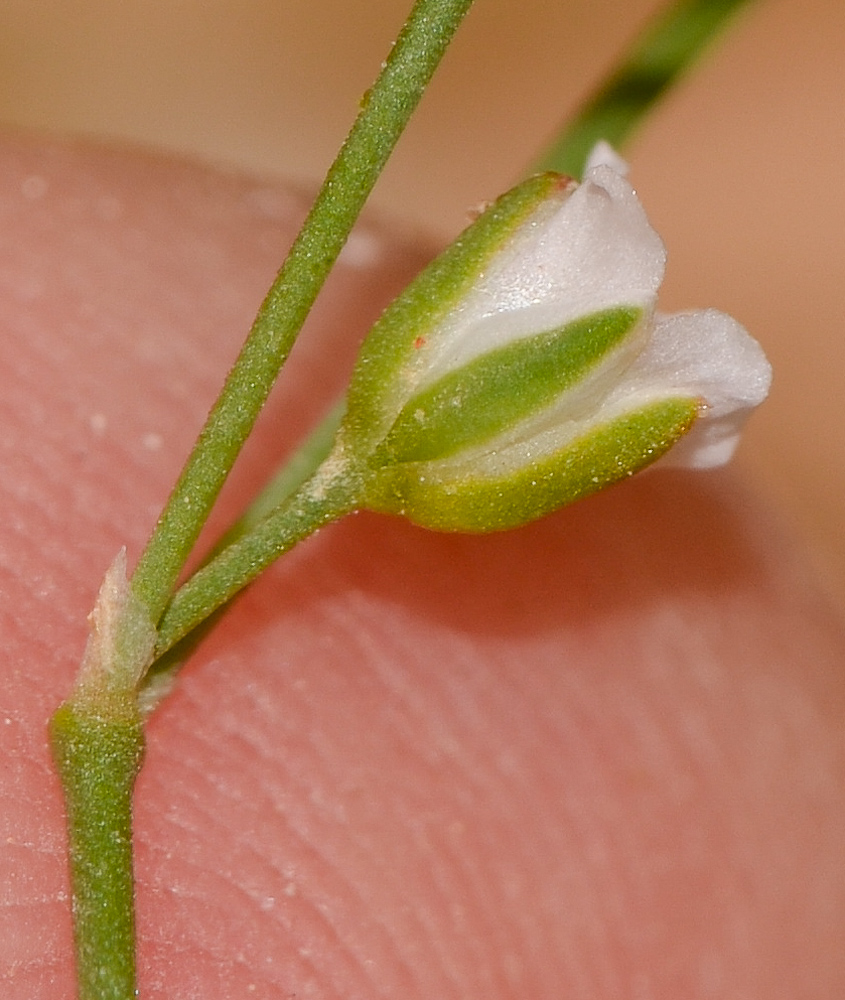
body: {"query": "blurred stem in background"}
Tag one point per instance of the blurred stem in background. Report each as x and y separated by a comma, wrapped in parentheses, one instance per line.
(657, 59)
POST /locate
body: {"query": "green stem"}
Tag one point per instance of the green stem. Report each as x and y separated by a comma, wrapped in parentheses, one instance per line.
(98, 758)
(384, 113)
(664, 51)
(332, 492)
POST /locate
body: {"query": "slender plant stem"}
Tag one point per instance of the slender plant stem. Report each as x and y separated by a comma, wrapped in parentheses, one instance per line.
(385, 111)
(98, 758)
(663, 52)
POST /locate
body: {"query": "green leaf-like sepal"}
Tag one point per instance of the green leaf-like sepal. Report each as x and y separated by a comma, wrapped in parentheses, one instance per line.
(395, 355)
(501, 388)
(506, 489)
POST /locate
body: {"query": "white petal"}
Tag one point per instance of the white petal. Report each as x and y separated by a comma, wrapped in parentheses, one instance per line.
(604, 154)
(583, 251)
(710, 356)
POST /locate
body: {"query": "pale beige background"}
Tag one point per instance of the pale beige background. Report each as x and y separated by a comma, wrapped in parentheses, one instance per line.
(741, 170)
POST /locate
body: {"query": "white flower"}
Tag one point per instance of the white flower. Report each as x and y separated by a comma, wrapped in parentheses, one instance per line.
(528, 365)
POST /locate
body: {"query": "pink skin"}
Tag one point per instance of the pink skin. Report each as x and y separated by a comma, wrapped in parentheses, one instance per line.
(598, 757)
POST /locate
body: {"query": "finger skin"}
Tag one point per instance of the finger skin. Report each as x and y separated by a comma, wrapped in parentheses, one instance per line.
(599, 756)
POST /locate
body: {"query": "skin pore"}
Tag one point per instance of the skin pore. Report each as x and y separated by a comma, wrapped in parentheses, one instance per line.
(599, 756)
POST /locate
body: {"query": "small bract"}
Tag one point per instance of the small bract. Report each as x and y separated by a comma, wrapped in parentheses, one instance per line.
(527, 366)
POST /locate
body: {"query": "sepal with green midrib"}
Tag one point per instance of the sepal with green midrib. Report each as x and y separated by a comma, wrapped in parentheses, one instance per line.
(501, 388)
(467, 497)
(388, 356)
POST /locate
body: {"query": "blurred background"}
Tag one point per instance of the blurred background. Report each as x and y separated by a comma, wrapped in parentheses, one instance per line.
(740, 169)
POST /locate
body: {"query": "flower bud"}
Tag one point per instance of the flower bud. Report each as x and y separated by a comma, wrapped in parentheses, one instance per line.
(527, 367)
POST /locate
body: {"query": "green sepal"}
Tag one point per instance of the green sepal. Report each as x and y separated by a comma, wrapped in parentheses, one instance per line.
(501, 388)
(471, 496)
(390, 354)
